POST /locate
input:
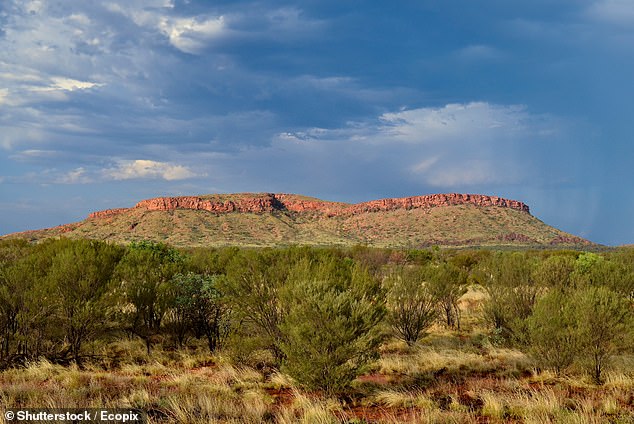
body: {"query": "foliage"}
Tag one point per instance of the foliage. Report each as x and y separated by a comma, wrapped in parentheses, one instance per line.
(78, 286)
(553, 331)
(145, 273)
(509, 281)
(605, 327)
(412, 307)
(447, 283)
(331, 328)
(199, 309)
(252, 285)
(587, 326)
(555, 271)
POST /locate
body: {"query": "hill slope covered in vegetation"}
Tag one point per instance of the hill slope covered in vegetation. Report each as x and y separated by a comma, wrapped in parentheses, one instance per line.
(266, 219)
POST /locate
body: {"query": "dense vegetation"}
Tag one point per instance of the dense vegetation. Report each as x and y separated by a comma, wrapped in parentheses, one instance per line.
(318, 315)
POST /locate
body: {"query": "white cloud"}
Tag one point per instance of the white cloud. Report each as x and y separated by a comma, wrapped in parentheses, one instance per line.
(127, 170)
(449, 146)
(470, 172)
(76, 176)
(33, 6)
(64, 84)
(191, 35)
(34, 155)
(70, 84)
(452, 122)
(478, 52)
(424, 165)
(612, 11)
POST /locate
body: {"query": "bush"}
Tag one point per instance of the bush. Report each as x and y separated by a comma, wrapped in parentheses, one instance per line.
(447, 283)
(252, 287)
(331, 330)
(553, 331)
(510, 283)
(199, 309)
(587, 326)
(412, 308)
(605, 327)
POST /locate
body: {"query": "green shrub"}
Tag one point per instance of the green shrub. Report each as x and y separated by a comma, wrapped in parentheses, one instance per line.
(605, 327)
(509, 281)
(587, 326)
(553, 331)
(331, 330)
(412, 308)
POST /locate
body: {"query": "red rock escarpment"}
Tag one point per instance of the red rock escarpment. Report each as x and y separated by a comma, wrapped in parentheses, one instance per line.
(107, 213)
(269, 202)
(436, 200)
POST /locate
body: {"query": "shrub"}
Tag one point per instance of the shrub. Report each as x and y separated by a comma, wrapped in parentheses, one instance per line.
(587, 326)
(553, 331)
(331, 330)
(412, 308)
(509, 281)
(252, 285)
(146, 289)
(199, 309)
(447, 283)
(605, 327)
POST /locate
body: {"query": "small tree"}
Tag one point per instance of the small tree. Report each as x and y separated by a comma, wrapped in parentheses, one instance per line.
(145, 273)
(509, 281)
(412, 308)
(447, 283)
(79, 279)
(199, 308)
(252, 286)
(553, 332)
(555, 271)
(331, 330)
(605, 325)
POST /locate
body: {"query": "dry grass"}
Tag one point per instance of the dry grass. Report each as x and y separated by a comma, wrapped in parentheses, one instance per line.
(448, 377)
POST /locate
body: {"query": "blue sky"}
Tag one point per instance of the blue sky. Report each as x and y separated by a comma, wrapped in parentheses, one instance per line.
(104, 103)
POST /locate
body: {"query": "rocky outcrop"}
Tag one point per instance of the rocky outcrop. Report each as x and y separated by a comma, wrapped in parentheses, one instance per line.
(269, 202)
(108, 213)
(436, 200)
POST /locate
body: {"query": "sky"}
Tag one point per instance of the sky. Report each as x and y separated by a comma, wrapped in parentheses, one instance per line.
(105, 103)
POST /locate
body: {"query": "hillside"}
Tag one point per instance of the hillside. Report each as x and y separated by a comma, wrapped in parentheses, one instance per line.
(266, 219)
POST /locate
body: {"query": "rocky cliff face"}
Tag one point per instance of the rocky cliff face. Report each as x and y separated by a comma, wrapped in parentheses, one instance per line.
(269, 202)
(436, 200)
(107, 213)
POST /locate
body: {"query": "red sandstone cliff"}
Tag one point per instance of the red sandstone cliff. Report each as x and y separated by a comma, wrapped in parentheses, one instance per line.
(269, 202)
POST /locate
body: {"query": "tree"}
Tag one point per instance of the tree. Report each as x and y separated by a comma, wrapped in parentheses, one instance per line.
(555, 271)
(587, 325)
(331, 329)
(25, 301)
(412, 308)
(509, 281)
(252, 286)
(605, 324)
(553, 331)
(145, 274)
(199, 307)
(447, 283)
(79, 279)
